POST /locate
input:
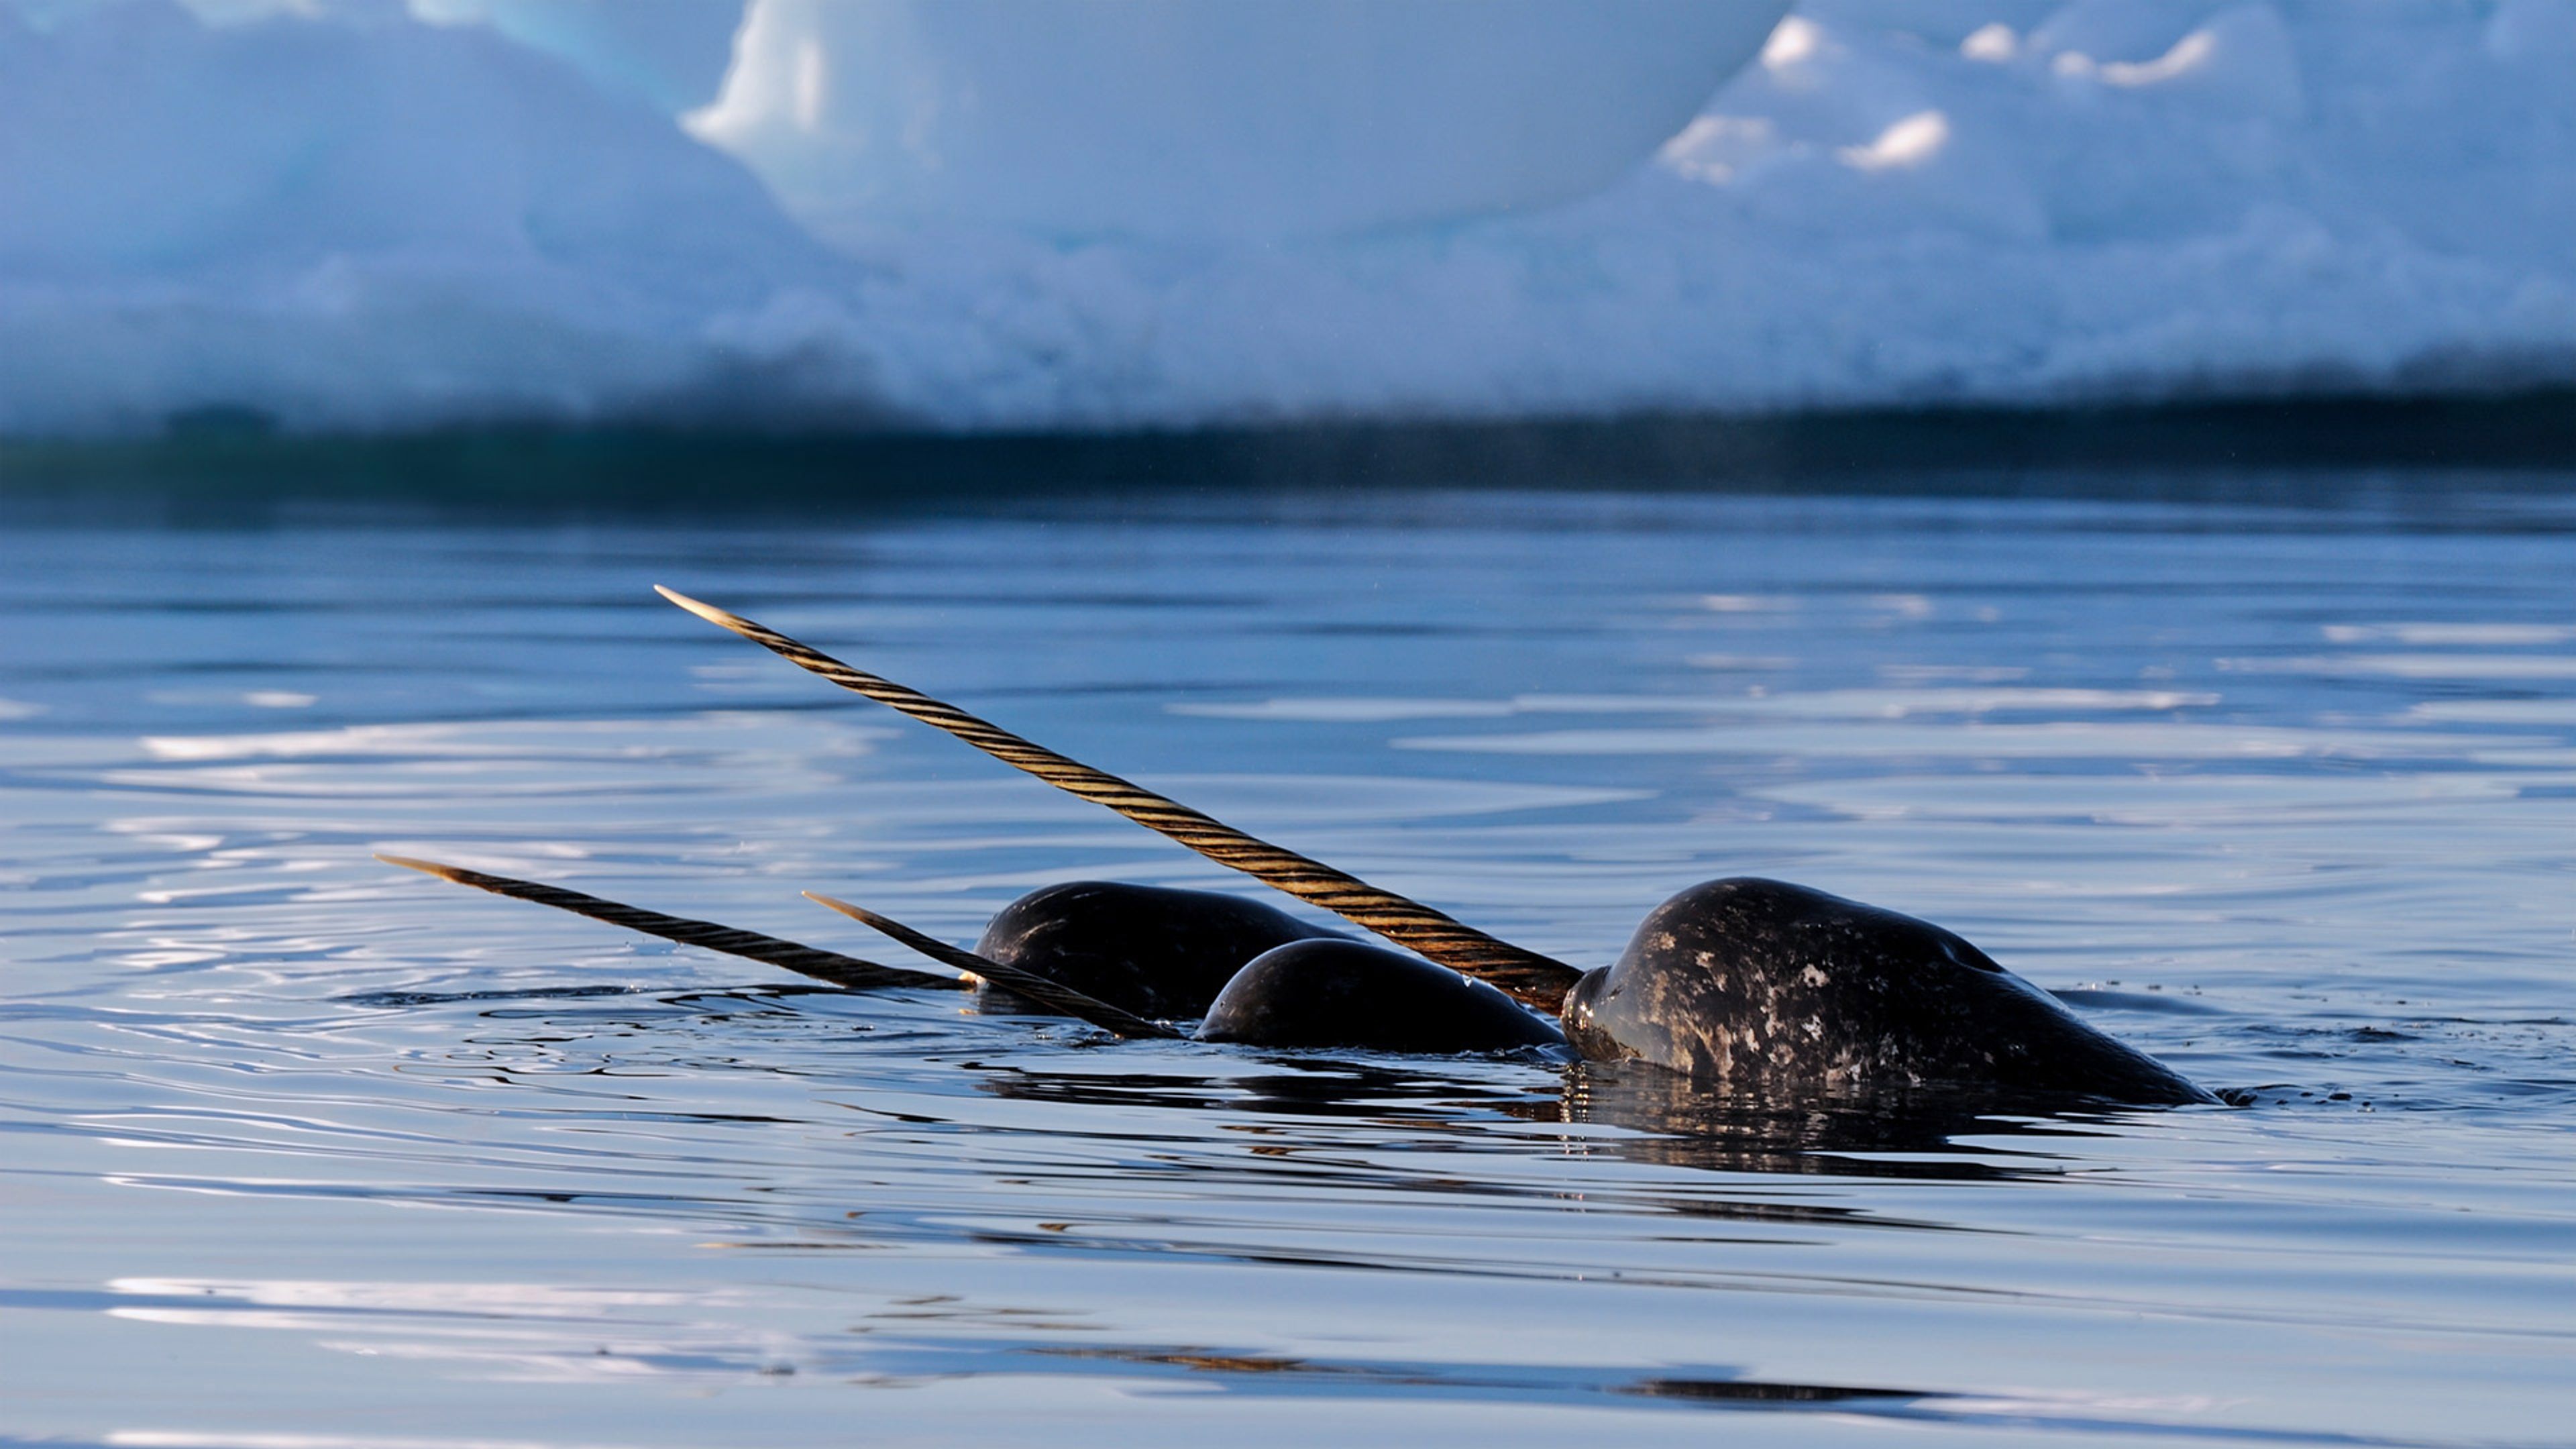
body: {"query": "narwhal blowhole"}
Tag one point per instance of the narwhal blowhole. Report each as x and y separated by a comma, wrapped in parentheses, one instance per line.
(1743, 984)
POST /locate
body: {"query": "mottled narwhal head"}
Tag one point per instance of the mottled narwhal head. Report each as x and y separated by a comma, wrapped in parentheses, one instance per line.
(1764, 985)
(1153, 950)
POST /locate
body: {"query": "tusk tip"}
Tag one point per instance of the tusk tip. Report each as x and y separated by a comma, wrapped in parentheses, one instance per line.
(869, 918)
(833, 903)
(702, 609)
(425, 867)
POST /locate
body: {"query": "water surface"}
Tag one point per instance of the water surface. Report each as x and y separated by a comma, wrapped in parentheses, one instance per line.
(304, 1151)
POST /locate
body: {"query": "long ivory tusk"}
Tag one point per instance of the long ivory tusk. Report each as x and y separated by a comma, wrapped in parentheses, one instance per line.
(804, 960)
(1539, 980)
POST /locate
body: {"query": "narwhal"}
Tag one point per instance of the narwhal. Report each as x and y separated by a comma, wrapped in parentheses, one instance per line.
(1743, 984)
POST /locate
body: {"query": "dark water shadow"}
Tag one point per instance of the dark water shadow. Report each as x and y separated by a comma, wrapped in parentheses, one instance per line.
(2318, 451)
(1273, 1375)
(1686, 1388)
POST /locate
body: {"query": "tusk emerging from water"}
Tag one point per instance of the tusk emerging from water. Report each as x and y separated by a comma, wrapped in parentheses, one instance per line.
(1536, 979)
(840, 970)
(1036, 988)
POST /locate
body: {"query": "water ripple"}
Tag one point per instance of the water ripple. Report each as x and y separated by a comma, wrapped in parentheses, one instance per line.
(351, 1158)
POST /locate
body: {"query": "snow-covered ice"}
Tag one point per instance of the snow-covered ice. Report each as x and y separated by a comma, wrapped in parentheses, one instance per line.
(364, 214)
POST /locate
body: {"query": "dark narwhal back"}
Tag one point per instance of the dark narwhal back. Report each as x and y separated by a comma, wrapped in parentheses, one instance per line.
(1761, 984)
(1158, 952)
(1347, 994)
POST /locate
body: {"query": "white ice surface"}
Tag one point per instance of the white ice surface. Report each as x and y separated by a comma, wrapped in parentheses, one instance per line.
(1244, 120)
(345, 217)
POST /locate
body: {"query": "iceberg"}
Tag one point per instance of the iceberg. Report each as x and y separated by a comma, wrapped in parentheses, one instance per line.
(1246, 119)
(670, 53)
(360, 215)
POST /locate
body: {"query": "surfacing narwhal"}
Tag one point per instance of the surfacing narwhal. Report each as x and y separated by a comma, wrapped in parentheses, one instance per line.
(1744, 984)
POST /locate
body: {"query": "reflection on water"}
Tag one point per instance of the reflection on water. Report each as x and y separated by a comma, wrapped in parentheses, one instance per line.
(2281, 792)
(1895, 1133)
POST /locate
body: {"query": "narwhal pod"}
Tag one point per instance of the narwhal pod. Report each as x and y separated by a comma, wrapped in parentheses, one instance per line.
(1746, 985)
(1764, 985)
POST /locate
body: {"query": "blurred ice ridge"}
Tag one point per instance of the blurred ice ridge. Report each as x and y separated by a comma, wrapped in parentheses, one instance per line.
(369, 214)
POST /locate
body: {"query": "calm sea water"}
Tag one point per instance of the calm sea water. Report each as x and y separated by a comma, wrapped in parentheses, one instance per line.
(299, 1151)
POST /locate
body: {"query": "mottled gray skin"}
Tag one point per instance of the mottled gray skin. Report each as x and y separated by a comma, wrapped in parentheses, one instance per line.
(1335, 993)
(1161, 953)
(1760, 985)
